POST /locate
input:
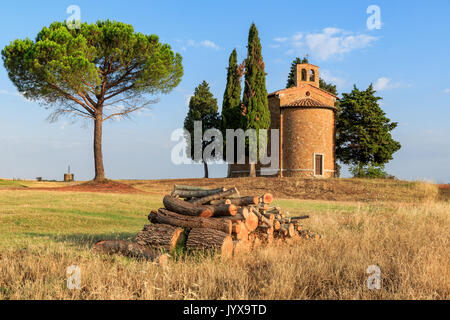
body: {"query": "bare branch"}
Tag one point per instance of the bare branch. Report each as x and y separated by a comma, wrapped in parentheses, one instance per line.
(119, 92)
(126, 111)
(70, 97)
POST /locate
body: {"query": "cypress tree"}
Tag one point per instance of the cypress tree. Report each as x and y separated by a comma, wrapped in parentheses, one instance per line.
(202, 107)
(256, 113)
(231, 106)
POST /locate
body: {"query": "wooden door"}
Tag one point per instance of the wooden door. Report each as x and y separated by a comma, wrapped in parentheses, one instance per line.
(319, 165)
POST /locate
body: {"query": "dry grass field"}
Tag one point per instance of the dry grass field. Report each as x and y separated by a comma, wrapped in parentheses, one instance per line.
(402, 227)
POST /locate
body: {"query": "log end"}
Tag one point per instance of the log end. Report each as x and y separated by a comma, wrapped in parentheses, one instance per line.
(251, 222)
(227, 248)
(233, 209)
(207, 213)
(267, 198)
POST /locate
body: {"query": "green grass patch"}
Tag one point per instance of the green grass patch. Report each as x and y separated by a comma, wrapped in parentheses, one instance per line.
(72, 217)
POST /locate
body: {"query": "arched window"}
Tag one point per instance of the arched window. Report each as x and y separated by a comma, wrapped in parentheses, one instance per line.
(304, 74)
(312, 75)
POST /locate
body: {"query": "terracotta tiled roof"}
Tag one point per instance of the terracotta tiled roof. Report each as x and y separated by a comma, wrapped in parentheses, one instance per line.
(304, 102)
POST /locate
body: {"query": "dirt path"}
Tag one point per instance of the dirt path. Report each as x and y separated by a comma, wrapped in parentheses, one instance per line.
(107, 187)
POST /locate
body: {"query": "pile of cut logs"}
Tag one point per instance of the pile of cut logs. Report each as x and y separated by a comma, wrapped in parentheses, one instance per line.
(220, 219)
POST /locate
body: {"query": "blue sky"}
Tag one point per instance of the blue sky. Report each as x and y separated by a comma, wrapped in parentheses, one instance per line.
(407, 60)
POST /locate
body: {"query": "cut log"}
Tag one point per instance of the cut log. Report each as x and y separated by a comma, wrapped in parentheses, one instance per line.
(162, 236)
(243, 211)
(221, 201)
(251, 222)
(269, 216)
(216, 196)
(241, 247)
(276, 225)
(263, 219)
(179, 206)
(237, 217)
(291, 230)
(195, 193)
(284, 229)
(316, 236)
(225, 210)
(299, 218)
(266, 198)
(179, 220)
(191, 188)
(276, 210)
(130, 249)
(236, 229)
(266, 229)
(242, 201)
(243, 233)
(210, 239)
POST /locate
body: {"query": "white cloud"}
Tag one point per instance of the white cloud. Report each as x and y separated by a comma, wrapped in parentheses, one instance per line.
(209, 44)
(385, 83)
(185, 44)
(281, 39)
(447, 91)
(330, 42)
(297, 37)
(331, 31)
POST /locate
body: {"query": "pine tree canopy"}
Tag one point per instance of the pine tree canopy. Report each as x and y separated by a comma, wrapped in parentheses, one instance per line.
(84, 71)
(363, 130)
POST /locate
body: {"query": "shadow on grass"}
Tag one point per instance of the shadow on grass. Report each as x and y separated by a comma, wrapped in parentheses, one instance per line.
(83, 240)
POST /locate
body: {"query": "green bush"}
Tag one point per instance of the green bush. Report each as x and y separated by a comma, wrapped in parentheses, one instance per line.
(370, 171)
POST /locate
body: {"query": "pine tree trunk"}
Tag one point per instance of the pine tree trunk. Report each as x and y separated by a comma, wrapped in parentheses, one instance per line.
(252, 170)
(205, 166)
(98, 154)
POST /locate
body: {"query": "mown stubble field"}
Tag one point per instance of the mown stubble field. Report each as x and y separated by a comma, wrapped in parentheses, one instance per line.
(401, 227)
